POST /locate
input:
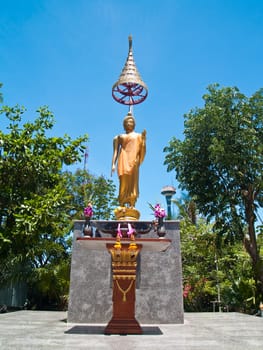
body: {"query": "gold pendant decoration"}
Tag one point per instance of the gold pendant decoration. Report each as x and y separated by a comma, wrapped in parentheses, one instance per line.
(124, 292)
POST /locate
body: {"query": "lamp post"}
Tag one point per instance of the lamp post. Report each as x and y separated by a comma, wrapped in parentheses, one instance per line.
(168, 192)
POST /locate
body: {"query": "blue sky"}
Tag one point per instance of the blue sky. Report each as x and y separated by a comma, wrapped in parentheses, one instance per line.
(67, 54)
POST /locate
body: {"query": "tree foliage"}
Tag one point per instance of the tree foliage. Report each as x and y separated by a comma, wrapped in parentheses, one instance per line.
(34, 202)
(213, 271)
(33, 195)
(87, 188)
(220, 164)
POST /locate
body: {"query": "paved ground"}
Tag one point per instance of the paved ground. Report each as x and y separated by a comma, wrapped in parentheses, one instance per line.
(49, 330)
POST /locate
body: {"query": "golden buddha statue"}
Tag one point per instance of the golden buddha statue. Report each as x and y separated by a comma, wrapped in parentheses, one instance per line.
(129, 150)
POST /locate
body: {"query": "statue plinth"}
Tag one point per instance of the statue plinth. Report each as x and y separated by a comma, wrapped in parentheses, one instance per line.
(124, 255)
(159, 274)
(126, 214)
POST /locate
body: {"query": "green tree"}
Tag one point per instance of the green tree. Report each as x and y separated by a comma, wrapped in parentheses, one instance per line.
(220, 164)
(199, 287)
(34, 201)
(33, 196)
(84, 188)
(214, 270)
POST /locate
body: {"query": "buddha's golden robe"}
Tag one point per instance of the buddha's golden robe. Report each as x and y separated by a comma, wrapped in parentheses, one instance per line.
(132, 151)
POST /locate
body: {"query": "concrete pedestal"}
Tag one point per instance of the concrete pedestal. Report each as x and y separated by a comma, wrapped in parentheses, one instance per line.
(159, 282)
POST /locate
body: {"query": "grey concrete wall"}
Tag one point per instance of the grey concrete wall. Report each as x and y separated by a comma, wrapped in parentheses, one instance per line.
(159, 296)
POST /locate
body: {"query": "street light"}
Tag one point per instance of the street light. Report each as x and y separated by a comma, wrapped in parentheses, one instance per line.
(168, 192)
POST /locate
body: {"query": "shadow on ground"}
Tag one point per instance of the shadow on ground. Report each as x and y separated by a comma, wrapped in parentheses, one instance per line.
(101, 329)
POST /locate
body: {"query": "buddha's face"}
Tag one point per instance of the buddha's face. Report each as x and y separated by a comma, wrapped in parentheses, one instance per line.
(129, 124)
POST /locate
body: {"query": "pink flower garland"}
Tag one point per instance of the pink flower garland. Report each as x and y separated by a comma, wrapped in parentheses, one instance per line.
(130, 230)
(119, 234)
(88, 211)
(159, 212)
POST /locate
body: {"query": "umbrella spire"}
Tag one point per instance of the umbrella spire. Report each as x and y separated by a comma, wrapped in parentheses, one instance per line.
(129, 88)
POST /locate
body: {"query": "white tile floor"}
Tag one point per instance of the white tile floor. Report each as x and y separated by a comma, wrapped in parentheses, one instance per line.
(49, 330)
